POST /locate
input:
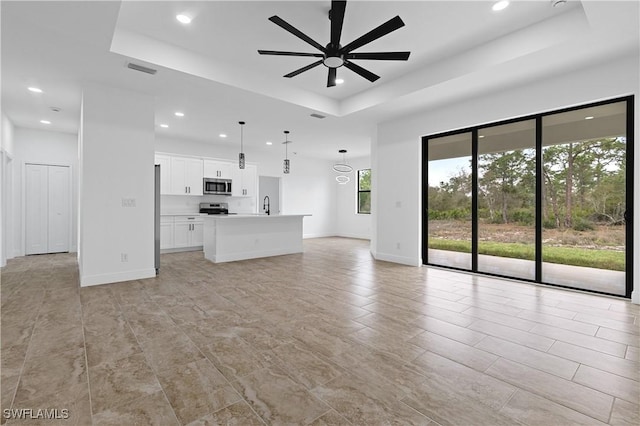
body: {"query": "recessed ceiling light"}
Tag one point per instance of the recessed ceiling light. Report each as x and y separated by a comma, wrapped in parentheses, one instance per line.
(339, 81)
(35, 89)
(222, 135)
(589, 117)
(481, 136)
(179, 114)
(45, 121)
(164, 126)
(183, 19)
(269, 143)
(501, 5)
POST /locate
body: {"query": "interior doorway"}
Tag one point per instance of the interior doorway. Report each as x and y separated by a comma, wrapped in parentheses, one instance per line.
(47, 208)
(269, 186)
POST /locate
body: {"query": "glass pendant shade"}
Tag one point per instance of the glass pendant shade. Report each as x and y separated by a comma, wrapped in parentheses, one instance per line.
(285, 166)
(342, 179)
(241, 160)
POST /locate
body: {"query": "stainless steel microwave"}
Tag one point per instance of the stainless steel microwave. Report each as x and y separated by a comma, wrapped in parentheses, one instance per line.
(216, 186)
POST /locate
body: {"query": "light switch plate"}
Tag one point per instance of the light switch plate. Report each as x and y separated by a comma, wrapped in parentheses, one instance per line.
(128, 202)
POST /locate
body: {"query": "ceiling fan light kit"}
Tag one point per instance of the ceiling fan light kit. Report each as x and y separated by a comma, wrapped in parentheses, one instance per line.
(334, 55)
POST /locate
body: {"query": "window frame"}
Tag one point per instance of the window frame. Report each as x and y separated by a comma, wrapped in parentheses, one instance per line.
(360, 191)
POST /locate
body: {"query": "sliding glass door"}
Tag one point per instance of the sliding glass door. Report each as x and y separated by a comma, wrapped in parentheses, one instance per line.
(449, 201)
(543, 198)
(584, 167)
(506, 199)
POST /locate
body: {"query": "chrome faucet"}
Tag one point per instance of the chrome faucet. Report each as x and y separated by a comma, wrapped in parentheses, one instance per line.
(265, 204)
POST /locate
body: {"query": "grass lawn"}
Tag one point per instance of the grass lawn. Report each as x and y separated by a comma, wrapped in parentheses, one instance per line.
(601, 259)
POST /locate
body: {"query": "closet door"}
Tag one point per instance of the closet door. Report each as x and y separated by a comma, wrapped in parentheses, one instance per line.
(58, 211)
(47, 212)
(36, 208)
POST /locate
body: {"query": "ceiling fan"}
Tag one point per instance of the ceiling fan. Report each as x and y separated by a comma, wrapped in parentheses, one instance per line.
(334, 55)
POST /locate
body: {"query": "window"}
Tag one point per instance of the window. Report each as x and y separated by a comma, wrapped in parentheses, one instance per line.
(364, 191)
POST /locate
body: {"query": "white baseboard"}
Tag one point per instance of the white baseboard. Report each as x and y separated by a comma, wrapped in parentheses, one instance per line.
(181, 249)
(230, 257)
(321, 235)
(397, 259)
(89, 280)
(356, 236)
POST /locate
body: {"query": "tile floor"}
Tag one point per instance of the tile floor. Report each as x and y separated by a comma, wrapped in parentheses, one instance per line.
(326, 337)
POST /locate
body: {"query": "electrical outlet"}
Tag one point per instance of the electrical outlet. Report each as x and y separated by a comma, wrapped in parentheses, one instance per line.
(128, 202)
(398, 246)
(124, 257)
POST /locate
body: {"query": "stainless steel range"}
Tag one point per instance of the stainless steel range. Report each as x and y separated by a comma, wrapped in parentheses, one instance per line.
(214, 208)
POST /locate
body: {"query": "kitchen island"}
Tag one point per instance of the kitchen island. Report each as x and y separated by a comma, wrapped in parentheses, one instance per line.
(238, 237)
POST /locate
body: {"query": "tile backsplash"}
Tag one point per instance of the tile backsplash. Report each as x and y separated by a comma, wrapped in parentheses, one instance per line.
(178, 204)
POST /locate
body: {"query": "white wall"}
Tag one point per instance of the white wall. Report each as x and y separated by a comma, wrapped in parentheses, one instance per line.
(41, 147)
(349, 222)
(309, 188)
(116, 146)
(6, 188)
(7, 141)
(397, 152)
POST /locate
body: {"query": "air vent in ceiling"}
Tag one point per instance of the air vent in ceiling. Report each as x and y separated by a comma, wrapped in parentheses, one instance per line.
(141, 68)
(314, 115)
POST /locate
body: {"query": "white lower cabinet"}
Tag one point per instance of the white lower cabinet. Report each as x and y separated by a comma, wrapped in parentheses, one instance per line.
(180, 232)
(166, 232)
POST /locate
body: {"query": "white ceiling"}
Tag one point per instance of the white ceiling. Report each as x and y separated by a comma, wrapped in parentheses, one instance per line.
(211, 71)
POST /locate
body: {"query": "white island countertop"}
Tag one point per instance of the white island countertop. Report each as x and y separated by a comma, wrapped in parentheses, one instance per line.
(251, 215)
(248, 236)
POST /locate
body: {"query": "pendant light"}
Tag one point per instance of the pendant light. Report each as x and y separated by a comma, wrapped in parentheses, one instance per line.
(343, 167)
(241, 155)
(343, 180)
(285, 165)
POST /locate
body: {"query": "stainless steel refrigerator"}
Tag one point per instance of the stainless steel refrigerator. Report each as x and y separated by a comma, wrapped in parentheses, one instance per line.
(156, 218)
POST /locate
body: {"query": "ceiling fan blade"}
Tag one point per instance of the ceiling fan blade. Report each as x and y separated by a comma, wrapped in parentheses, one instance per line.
(337, 19)
(280, 53)
(331, 80)
(380, 56)
(361, 71)
(382, 30)
(303, 69)
(296, 32)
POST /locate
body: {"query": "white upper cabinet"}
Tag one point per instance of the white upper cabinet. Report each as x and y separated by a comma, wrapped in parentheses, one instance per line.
(183, 175)
(245, 182)
(180, 175)
(193, 176)
(165, 173)
(218, 169)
